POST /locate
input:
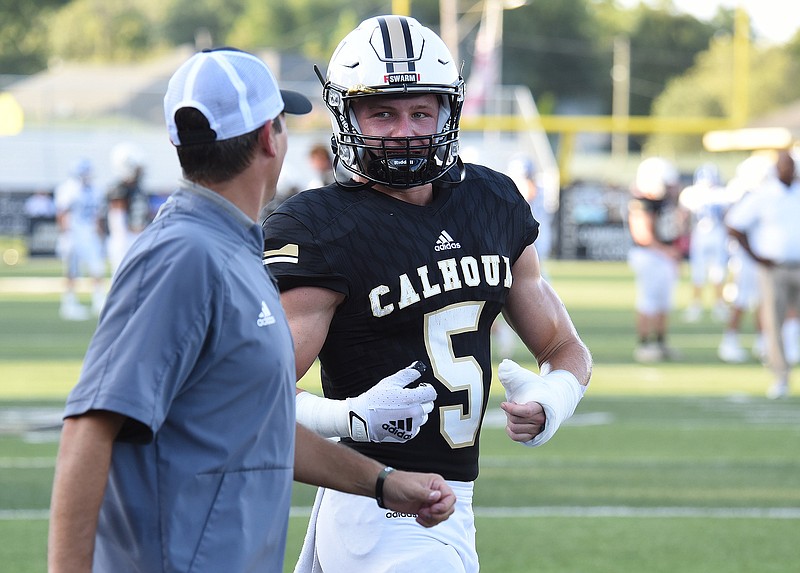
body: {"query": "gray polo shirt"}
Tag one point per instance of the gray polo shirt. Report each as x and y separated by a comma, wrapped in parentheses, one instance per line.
(194, 348)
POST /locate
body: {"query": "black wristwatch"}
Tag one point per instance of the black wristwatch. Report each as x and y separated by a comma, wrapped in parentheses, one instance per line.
(379, 485)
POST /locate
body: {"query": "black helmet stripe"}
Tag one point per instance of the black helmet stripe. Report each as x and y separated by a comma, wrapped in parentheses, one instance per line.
(397, 40)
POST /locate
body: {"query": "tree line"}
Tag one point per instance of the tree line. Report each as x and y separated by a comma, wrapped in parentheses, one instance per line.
(561, 49)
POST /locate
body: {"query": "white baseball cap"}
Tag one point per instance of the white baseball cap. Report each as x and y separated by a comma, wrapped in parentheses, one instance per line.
(234, 90)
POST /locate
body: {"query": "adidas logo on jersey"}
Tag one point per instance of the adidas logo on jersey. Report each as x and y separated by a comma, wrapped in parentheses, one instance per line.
(400, 428)
(445, 242)
(265, 317)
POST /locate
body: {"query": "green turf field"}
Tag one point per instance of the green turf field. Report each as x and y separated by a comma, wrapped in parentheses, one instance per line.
(680, 467)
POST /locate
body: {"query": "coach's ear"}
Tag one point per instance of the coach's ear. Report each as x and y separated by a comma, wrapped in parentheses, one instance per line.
(270, 134)
(267, 139)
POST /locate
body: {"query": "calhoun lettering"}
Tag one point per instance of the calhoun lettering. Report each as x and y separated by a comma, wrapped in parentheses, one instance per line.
(447, 275)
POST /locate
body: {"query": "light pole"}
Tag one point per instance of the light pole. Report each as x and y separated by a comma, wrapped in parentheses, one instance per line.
(487, 64)
(620, 96)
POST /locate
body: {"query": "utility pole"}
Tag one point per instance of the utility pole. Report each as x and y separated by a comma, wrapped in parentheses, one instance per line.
(401, 7)
(620, 98)
(740, 110)
(448, 21)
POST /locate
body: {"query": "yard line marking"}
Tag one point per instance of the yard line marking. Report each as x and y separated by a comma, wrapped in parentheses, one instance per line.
(41, 285)
(26, 463)
(528, 512)
(646, 512)
(24, 514)
(622, 511)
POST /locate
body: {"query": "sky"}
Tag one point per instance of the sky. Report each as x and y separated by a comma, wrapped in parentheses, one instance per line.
(773, 20)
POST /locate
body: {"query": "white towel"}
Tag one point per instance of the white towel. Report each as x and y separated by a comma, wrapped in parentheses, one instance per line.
(308, 562)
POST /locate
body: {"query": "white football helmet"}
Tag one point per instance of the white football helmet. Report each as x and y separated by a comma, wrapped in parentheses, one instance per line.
(127, 160)
(654, 177)
(394, 55)
(708, 174)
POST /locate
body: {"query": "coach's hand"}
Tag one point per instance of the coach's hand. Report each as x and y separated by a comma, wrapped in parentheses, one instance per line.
(426, 495)
(390, 412)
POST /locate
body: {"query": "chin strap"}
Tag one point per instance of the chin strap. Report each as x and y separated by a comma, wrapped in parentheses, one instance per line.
(447, 180)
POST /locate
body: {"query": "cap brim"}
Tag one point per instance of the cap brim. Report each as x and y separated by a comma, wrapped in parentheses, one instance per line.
(295, 103)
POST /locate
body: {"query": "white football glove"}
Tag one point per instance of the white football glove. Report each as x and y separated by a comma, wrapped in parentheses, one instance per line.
(558, 392)
(390, 412)
(387, 412)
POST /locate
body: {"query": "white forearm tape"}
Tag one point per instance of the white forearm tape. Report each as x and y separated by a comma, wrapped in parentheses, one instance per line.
(559, 393)
(323, 416)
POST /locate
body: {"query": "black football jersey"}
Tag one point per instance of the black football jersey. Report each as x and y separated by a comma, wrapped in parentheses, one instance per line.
(666, 217)
(420, 283)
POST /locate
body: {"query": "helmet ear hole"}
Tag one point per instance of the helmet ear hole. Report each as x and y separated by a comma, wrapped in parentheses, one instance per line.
(392, 56)
(444, 113)
(347, 155)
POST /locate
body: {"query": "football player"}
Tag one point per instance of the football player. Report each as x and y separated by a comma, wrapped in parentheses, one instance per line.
(654, 222)
(408, 258)
(706, 201)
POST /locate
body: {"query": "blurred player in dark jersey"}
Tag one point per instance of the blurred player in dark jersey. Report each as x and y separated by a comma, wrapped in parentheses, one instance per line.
(409, 258)
(655, 224)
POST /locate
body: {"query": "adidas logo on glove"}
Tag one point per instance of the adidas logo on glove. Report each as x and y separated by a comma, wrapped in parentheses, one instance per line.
(400, 428)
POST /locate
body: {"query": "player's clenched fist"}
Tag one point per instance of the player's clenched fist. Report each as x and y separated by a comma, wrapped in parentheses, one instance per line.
(536, 405)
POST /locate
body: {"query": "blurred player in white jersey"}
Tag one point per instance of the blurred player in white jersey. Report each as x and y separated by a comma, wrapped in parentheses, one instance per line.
(78, 211)
(743, 286)
(706, 201)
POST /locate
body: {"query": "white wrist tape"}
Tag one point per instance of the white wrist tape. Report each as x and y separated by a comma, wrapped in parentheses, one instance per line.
(558, 392)
(564, 394)
(323, 416)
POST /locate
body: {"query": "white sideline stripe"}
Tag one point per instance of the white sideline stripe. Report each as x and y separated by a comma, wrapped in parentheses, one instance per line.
(42, 285)
(622, 511)
(508, 512)
(26, 463)
(24, 514)
(647, 512)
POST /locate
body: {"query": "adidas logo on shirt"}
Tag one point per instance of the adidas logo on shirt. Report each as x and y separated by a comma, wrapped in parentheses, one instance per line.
(265, 317)
(445, 242)
(400, 428)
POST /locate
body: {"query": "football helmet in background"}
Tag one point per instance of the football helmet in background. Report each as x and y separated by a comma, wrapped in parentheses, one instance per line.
(654, 177)
(708, 174)
(127, 160)
(394, 55)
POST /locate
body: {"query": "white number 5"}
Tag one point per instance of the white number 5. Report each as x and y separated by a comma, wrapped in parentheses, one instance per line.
(459, 374)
